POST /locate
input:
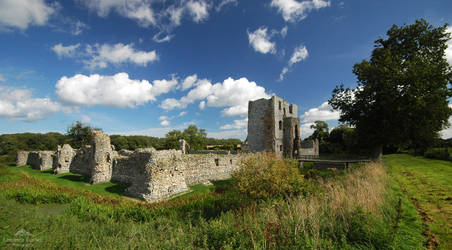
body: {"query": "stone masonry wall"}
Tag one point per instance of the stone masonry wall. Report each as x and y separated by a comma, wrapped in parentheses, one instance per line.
(256, 114)
(202, 168)
(102, 158)
(309, 148)
(82, 161)
(21, 158)
(151, 174)
(41, 160)
(62, 159)
(159, 174)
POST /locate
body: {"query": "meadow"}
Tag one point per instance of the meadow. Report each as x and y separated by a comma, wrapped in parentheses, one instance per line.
(365, 207)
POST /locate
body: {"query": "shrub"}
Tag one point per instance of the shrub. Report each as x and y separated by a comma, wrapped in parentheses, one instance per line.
(437, 153)
(265, 176)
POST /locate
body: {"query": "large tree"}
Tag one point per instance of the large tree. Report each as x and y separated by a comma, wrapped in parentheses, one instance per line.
(403, 90)
(321, 131)
(80, 134)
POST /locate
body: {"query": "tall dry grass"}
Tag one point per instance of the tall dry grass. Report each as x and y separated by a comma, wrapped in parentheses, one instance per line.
(341, 213)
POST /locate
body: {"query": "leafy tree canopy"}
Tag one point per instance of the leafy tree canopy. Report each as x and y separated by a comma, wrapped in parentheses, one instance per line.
(402, 93)
(321, 130)
(80, 134)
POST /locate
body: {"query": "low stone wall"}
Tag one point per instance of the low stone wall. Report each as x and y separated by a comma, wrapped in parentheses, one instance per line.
(41, 160)
(202, 168)
(309, 149)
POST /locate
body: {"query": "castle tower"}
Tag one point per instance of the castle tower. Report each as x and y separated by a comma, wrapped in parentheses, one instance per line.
(273, 126)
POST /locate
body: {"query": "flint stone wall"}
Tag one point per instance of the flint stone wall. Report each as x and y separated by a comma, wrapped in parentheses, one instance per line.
(82, 161)
(309, 148)
(158, 175)
(63, 159)
(203, 168)
(102, 158)
(41, 160)
(152, 175)
(21, 158)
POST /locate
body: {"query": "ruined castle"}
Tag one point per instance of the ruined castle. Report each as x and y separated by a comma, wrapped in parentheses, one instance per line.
(273, 126)
(151, 175)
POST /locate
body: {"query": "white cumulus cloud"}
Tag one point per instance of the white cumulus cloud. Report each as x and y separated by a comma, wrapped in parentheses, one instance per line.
(165, 123)
(238, 124)
(324, 112)
(65, 51)
(21, 105)
(189, 82)
(138, 10)
(102, 55)
(300, 53)
(198, 10)
(22, 13)
(260, 41)
(231, 94)
(449, 46)
(293, 10)
(117, 90)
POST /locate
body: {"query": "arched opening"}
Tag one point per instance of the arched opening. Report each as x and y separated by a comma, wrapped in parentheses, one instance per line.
(280, 125)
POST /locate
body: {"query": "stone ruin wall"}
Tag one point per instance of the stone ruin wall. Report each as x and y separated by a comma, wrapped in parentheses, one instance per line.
(151, 175)
(309, 149)
(202, 168)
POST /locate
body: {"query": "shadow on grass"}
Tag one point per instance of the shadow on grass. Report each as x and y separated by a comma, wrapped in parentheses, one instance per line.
(117, 188)
(76, 178)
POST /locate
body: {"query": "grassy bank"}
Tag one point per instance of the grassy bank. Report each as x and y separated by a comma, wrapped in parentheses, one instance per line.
(428, 183)
(362, 208)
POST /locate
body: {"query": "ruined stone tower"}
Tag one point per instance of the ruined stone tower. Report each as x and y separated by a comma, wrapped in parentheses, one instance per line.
(273, 126)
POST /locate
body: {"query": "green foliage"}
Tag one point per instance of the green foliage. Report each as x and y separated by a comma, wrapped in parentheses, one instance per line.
(320, 131)
(136, 141)
(401, 97)
(80, 134)
(10, 143)
(172, 139)
(196, 138)
(437, 153)
(266, 176)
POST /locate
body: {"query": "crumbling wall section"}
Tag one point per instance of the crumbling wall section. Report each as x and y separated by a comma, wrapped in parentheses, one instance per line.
(82, 161)
(62, 159)
(102, 158)
(309, 149)
(203, 168)
(291, 137)
(21, 158)
(159, 174)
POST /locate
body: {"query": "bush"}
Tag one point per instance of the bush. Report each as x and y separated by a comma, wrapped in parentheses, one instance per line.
(265, 176)
(437, 153)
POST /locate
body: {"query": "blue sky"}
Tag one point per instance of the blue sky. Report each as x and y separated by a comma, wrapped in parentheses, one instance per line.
(149, 66)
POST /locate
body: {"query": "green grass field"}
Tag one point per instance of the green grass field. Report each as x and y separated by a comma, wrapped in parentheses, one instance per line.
(361, 208)
(428, 183)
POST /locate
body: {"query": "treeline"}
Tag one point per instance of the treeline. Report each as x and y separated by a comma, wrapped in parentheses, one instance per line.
(344, 140)
(79, 134)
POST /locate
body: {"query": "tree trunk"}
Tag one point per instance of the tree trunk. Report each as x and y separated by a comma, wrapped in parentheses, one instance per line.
(377, 152)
